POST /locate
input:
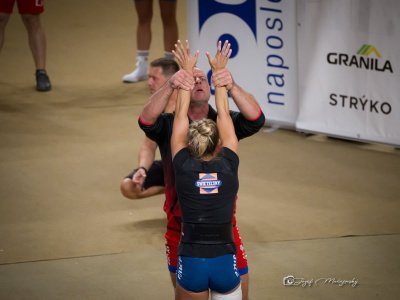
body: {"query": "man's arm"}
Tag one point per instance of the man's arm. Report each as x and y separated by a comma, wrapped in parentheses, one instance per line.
(251, 118)
(147, 153)
(159, 100)
(245, 102)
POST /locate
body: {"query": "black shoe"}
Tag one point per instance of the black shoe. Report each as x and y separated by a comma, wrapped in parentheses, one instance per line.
(42, 81)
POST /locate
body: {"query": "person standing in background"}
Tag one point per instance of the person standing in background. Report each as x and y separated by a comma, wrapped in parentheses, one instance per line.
(30, 11)
(144, 10)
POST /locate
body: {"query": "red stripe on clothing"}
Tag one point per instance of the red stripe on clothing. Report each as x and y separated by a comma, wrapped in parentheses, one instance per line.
(143, 122)
(259, 114)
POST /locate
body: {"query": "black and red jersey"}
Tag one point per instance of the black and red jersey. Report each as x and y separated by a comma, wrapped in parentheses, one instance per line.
(161, 132)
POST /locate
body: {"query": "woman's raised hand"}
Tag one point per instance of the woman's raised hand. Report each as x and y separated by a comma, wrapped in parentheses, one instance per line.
(221, 57)
(182, 54)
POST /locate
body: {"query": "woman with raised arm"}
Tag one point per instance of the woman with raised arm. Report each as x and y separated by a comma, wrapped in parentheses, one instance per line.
(206, 178)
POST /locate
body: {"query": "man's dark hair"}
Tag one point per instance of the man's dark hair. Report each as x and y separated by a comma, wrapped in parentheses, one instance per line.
(168, 66)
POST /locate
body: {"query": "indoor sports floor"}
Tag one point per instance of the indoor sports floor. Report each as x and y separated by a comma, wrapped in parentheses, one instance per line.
(309, 206)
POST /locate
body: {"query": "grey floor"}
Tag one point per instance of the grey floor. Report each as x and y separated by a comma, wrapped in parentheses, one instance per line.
(321, 209)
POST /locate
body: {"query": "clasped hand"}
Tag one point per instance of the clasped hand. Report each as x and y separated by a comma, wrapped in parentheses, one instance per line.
(184, 78)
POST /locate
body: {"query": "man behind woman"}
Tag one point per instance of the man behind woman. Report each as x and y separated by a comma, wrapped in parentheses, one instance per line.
(206, 171)
(158, 126)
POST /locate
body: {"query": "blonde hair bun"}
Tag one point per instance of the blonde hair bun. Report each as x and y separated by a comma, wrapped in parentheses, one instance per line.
(203, 137)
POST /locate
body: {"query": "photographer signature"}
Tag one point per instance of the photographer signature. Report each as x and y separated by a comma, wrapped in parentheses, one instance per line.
(290, 280)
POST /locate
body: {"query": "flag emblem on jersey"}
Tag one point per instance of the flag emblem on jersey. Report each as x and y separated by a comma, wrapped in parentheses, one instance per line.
(208, 183)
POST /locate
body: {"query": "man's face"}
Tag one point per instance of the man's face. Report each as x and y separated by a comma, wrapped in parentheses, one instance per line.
(201, 90)
(156, 79)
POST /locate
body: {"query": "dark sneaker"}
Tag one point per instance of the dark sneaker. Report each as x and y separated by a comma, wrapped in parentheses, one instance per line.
(42, 81)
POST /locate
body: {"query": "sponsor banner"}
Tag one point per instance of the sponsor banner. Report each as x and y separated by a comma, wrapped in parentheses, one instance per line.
(263, 38)
(349, 69)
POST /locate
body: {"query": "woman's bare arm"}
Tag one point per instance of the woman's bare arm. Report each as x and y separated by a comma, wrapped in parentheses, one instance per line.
(181, 121)
(224, 120)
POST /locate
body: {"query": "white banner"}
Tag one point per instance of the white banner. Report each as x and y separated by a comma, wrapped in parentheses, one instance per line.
(263, 38)
(349, 69)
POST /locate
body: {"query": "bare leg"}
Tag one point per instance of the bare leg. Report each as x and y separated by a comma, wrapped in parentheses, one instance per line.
(182, 294)
(144, 10)
(170, 26)
(37, 43)
(173, 279)
(37, 39)
(3, 23)
(245, 286)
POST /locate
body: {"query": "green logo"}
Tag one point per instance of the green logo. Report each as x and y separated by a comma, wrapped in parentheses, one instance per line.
(366, 50)
(361, 60)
